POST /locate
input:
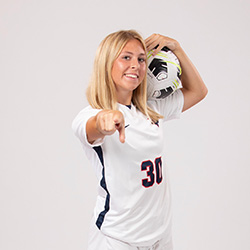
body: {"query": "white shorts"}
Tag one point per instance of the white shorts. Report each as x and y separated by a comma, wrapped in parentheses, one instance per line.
(99, 241)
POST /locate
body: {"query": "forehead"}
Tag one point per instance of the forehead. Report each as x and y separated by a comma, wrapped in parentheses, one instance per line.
(133, 46)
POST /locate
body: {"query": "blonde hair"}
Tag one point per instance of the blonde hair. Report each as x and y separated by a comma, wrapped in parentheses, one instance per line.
(101, 92)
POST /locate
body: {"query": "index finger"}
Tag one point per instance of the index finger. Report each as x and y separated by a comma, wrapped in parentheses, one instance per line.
(120, 126)
(121, 131)
(151, 42)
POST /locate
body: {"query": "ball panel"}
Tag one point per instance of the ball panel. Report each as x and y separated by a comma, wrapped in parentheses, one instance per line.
(163, 74)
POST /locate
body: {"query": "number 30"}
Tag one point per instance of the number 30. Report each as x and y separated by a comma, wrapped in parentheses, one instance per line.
(149, 167)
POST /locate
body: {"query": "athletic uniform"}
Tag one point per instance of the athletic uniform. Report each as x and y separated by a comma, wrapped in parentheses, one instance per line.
(133, 206)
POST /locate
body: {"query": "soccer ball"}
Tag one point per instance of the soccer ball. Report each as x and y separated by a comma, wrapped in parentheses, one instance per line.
(163, 74)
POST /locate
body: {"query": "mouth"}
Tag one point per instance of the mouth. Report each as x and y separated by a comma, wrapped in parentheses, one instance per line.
(130, 75)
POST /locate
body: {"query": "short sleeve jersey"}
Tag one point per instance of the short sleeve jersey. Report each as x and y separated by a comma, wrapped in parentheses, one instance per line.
(133, 203)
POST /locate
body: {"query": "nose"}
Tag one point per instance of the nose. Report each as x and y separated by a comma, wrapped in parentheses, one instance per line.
(134, 63)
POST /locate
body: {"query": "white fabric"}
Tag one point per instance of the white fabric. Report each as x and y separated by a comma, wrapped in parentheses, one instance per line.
(135, 213)
(99, 241)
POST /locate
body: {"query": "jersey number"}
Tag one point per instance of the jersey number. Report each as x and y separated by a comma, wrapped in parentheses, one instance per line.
(153, 176)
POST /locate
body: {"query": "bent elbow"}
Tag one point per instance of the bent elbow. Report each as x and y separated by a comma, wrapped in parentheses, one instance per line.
(204, 92)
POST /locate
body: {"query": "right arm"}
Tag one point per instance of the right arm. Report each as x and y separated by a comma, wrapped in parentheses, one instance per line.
(106, 122)
(193, 87)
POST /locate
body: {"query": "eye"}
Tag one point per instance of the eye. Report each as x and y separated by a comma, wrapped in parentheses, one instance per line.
(141, 59)
(126, 57)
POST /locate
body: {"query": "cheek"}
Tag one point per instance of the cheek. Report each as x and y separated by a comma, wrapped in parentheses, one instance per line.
(115, 70)
(118, 68)
(143, 70)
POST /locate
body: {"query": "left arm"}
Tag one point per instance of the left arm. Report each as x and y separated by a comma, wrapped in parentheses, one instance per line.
(194, 89)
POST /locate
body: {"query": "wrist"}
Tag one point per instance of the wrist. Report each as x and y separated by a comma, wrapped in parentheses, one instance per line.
(177, 48)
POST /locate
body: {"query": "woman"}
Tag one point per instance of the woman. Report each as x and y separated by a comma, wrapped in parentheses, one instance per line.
(122, 135)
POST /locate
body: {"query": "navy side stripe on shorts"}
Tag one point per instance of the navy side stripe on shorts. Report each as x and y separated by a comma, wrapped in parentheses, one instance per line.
(101, 216)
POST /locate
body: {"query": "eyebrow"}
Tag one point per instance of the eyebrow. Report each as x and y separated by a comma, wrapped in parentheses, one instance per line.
(128, 52)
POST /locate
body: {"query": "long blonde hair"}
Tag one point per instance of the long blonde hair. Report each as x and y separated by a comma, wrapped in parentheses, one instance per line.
(101, 92)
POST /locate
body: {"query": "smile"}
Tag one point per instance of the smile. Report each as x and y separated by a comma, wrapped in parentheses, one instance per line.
(132, 76)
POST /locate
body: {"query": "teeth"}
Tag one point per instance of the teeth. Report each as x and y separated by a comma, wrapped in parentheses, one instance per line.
(130, 75)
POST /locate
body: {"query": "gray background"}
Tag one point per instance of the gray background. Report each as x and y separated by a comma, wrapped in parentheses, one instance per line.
(47, 186)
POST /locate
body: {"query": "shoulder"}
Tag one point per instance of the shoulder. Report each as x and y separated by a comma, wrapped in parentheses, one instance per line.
(79, 122)
(86, 112)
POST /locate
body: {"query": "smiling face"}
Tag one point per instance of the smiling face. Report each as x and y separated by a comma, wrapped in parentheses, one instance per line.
(129, 70)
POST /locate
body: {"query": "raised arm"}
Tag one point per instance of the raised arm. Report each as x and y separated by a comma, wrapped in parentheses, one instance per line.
(194, 89)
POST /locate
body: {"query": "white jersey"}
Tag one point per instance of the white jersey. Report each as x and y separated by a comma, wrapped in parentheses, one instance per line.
(133, 203)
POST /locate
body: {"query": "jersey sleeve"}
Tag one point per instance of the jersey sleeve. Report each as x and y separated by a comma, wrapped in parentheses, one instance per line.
(170, 107)
(79, 126)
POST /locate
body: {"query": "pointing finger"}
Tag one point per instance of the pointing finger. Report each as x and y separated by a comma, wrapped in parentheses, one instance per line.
(120, 126)
(121, 131)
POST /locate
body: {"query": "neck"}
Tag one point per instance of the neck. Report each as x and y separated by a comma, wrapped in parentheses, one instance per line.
(125, 99)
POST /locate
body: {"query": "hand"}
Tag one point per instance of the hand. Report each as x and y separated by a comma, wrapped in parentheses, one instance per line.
(162, 41)
(108, 121)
